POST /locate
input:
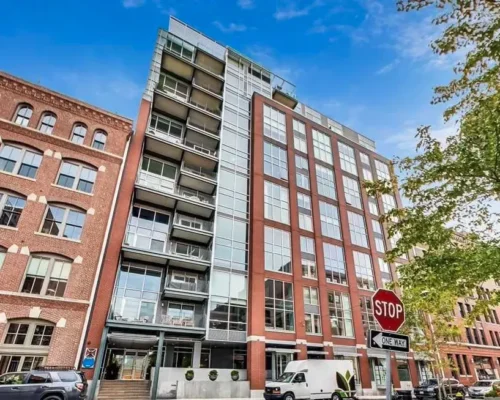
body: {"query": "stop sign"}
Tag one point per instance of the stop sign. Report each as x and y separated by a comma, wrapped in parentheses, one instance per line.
(388, 310)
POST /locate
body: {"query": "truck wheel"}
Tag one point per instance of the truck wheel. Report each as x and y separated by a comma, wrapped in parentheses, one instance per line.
(288, 396)
(336, 396)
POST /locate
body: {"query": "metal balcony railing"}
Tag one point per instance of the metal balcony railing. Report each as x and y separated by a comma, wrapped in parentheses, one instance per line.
(199, 171)
(180, 140)
(182, 321)
(204, 127)
(195, 195)
(205, 107)
(193, 223)
(173, 88)
(207, 86)
(188, 251)
(165, 135)
(200, 147)
(198, 286)
(208, 68)
(179, 47)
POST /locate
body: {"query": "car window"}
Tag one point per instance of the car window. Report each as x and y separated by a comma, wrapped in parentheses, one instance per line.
(39, 377)
(68, 376)
(12, 379)
(299, 378)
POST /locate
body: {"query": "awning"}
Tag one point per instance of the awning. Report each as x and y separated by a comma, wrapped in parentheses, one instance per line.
(375, 353)
(280, 350)
(132, 341)
(317, 352)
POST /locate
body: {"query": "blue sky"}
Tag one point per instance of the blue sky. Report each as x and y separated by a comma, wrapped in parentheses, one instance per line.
(358, 61)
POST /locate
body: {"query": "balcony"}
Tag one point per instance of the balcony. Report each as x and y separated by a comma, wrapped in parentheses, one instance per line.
(182, 316)
(196, 291)
(155, 189)
(197, 178)
(189, 256)
(192, 229)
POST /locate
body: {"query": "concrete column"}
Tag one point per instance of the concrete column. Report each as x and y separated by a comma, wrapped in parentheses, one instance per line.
(154, 384)
(98, 365)
(196, 354)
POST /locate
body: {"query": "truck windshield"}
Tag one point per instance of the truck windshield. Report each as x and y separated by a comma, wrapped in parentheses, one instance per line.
(286, 377)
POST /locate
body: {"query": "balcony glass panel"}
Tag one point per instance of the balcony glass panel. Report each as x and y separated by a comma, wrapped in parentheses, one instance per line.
(190, 283)
(193, 223)
(173, 87)
(166, 128)
(199, 171)
(182, 315)
(189, 251)
(180, 47)
(147, 229)
(206, 127)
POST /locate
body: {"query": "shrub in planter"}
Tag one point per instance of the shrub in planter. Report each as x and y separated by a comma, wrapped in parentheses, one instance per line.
(494, 393)
(235, 375)
(189, 375)
(213, 374)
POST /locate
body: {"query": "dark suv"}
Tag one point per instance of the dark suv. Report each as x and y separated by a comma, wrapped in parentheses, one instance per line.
(429, 389)
(46, 383)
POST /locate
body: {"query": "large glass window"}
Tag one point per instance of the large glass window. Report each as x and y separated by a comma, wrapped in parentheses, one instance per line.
(372, 205)
(347, 159)
(47, 122)
(46, 275)
(385, 271)
(19, 160)
(322, 147)
(276, 205)
(231, 243)
(99, 141)
(76, 176)
(382, 170)
(63, 222)
(278, 253)
(335, 264)
(351, 192)
(309, 269)
(305, 213)
(174, 87)
(302, 172)
(367, 317)
(365, 165)
(23, 114)
(312, 317)
(11, 207)
(29, 333)
(313, 323)
(148, 229)
(330, 223)
(378, 236)
(136, 294)
(274, 124)
(78, 133)
(339, 306)
(158, 167)
(233, 193)
(162, 126)
(388, 202)
(311, 295)
(275, 162)
(299, 136)
(364, 271)
(279, 305)
(357, 228)
(326, 182)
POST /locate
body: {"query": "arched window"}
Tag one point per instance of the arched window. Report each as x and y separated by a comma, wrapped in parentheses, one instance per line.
(99, 140)
(11, 207)
(76, 176)
(46, 275)
(3, 252)
(19, 160)
(47, 123)
(23, 114)
(78, 134)
(63, 221)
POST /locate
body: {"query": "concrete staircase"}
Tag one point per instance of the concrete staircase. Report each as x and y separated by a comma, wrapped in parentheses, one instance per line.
(130, 390)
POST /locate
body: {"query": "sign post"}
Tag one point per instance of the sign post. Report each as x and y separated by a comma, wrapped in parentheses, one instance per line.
(389, 312)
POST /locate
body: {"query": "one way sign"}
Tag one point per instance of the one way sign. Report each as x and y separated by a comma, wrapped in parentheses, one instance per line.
(388, 341)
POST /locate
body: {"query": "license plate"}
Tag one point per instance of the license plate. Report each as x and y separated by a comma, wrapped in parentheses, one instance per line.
(422, 392)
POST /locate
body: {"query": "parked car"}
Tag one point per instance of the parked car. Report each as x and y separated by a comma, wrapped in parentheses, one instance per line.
(430, 388)
(480, 388)
(46, 383)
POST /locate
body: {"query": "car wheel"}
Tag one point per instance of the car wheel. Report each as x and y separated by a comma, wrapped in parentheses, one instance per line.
(52, 397)
(288, 396)
(336, 396)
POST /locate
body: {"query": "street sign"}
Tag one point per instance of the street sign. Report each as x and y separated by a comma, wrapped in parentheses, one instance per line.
(388, 341)
(388, 310)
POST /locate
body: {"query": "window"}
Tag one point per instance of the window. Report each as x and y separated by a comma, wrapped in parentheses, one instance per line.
(322, 147)
(364, 271)
(21, 364)
(182, 357)
(63, 222)
(313, 323)
(228, 305)
(99, 141)
(11, 207)
(462, 310)
(275, 163)
(367, 317)
(330, 224)
(305, 213)
(47, 276)
(276, 203)
(385, 271)
(311, 295)
(23, 115)
(19, 160)
(378, 370)
(274, 124)
(334, 264)
(372, 205)
(309, 269)
(326, 182)
(231, 243)
(148, 229)
(357, 229)
(239, 359)
(299, 136)
(302, 172)
(78, 134)
(77, 177)
(388, 202)
(351, 192)
(278, 253)
(339, 306)
(382, 170)
(3, 252)
(365, 165)
(347, 159)
(157, 173)
(378, 236)
(27, 333)
(47, 123)
(279, 305)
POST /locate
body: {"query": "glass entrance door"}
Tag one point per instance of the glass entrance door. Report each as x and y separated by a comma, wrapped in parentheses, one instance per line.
(126, 364)
(282, 359)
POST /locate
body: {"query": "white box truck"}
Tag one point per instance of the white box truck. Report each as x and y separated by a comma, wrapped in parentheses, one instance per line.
(313, 379)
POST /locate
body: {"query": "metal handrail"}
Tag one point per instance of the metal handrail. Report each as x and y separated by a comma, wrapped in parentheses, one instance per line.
(197, 321)
(165, 135)
(199, 286)
(201, 126)
(193, 223)
(206, 86)
(205, 107)
(189, 251)
(199, 147)
(181, 140)
(199, 171)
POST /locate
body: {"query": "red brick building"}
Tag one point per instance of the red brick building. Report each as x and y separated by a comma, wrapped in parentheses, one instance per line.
(60, 164)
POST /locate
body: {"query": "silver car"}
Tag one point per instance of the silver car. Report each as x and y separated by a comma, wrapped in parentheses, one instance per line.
(480, 388)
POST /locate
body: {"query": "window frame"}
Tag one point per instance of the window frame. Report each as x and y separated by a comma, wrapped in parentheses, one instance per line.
(30, 333)
(23, 118)
(63, 223)
(352, 192)
(382, 169)
(322, 146)
(330, 262)
(52, 259)
(305, 213)
(79, 136)
(284, 194)
(284, 301)
(4, 196)
(326, 186)
(277, 126)
(21, 160)
(347, 157)
(302, 179)
(364, 274)
(271, 162)
(341, 314)
(330, 220)
(77, 178)
(357, 231)
(271, 247)
(47, 127)
(134, 229)
(299, 142)
(95, 140)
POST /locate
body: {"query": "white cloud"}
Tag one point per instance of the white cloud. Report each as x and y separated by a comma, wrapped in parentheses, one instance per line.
(406, 141)
(133, 3)
(232, 27)
(164, 9)
(388, 67)
(292, 10)
(246, 4)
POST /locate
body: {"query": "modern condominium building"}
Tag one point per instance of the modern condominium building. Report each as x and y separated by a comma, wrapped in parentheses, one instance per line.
(60, 164)
(243, 236)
